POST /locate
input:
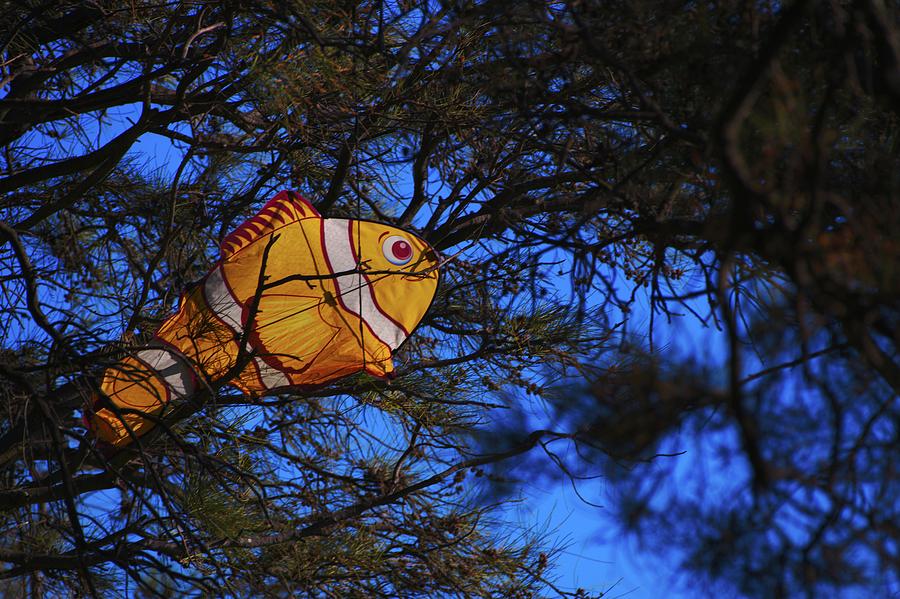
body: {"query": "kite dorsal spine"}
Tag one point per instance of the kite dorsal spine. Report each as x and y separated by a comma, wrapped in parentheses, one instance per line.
(284, 209)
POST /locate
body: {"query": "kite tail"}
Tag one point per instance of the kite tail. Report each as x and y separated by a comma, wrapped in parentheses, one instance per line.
(138, 389)
(190, 347)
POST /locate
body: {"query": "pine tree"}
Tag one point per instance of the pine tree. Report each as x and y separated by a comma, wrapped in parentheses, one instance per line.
(732, 163)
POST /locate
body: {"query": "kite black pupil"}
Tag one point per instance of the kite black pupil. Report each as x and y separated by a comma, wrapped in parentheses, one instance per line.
(401, 250)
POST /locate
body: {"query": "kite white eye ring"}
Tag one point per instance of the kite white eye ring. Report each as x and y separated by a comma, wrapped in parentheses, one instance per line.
(398, 250)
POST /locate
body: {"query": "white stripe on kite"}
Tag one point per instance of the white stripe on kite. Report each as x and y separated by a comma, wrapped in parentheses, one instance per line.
(223, 304)
(171, 368)
(271, 377)
(362, 304)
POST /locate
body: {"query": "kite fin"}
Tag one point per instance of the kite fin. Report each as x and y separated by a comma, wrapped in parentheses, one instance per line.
(285, 208)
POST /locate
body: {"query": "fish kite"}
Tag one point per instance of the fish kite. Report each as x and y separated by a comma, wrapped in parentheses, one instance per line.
(295, 301)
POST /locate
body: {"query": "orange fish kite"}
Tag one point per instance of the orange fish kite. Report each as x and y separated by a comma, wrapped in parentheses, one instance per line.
(295, 301)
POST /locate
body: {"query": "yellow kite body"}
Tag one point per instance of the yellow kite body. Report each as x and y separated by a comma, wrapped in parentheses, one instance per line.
(296, 301)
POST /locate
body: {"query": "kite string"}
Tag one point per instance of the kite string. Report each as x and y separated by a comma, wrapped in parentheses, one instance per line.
(359, 257)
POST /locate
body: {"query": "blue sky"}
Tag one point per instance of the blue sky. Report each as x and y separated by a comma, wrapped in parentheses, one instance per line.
(598, 557)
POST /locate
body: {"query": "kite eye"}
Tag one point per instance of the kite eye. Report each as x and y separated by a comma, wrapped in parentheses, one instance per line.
(397, 250)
